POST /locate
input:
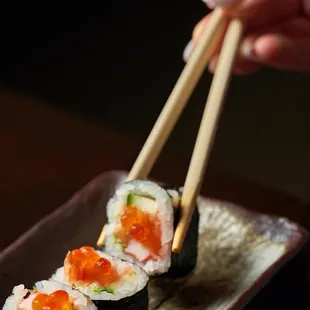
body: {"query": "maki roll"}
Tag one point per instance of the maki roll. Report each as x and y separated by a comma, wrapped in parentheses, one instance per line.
(142, 217)
(111, 283)
(48, 295)
(140, 225)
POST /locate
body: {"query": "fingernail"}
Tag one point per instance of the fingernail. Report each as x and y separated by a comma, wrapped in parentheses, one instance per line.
(247, 49)
(212, 65)
(213, 3)
(188, 50)
(210, 4)
(211, 68)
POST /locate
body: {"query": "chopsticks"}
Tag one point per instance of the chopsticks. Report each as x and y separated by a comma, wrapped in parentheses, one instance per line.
(174, 107)
(178, 97)
(207, 130)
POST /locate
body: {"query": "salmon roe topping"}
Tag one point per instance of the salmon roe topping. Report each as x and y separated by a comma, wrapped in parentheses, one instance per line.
(142, 227)
(85, 265)
(58, 300)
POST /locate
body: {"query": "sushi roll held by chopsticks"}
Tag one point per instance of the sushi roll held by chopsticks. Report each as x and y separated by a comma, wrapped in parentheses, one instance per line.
(142, 217)
(48, 295)
(111, 283)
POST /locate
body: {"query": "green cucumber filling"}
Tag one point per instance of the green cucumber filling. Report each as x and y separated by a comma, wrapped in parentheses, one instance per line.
(143, 202)
(98, 290)
(118, 241)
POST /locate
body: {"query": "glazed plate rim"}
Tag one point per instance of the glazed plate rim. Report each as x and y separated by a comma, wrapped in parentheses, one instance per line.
(291, 249)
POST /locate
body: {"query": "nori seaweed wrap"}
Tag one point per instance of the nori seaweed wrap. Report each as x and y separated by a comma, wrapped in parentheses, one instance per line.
(183, 263)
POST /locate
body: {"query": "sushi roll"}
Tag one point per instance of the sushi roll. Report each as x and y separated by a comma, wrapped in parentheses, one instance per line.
(142, 217)
(111, 283)
(48, 295)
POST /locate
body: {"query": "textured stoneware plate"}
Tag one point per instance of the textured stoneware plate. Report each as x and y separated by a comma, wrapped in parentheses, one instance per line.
(238, 251)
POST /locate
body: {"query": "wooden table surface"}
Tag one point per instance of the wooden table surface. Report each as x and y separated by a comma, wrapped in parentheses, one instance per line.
(47, 155)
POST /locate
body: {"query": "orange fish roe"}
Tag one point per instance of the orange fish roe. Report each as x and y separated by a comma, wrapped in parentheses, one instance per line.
(58, 300)
(85, 265)
(143, 227)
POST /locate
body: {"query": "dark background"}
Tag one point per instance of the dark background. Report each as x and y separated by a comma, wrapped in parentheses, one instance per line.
(111, 67)
(116, 62)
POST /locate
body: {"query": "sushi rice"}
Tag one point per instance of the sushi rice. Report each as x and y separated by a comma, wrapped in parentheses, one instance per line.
(22, 298)
(162, 205)
(128, 285)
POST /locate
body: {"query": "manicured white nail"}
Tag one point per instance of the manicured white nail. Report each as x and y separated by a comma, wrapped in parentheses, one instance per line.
(188, 51)
(247, 49)
(213, 3)
(209, 3)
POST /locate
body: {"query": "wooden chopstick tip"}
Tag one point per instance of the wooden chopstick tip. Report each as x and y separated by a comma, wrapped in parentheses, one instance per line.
(179, 237)
(101, 239)
(178, 241)
(176, 249)
(182, 228)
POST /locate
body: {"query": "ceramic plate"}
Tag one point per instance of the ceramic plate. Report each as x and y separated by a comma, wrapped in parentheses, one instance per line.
(239, 251)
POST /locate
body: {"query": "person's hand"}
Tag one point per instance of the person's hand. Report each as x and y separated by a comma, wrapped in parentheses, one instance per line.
(277, 35)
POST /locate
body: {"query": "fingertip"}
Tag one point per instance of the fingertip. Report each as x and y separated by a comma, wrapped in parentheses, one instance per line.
(188, 51)
(264, 49)
(223, 3)
(212, 64)
(268, 47)
(200, 27)
(284, 52)
(247, 48)
(209, 3)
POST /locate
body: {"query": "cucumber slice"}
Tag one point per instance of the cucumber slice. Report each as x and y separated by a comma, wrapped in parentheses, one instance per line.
(144, 203)
(98, 290)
